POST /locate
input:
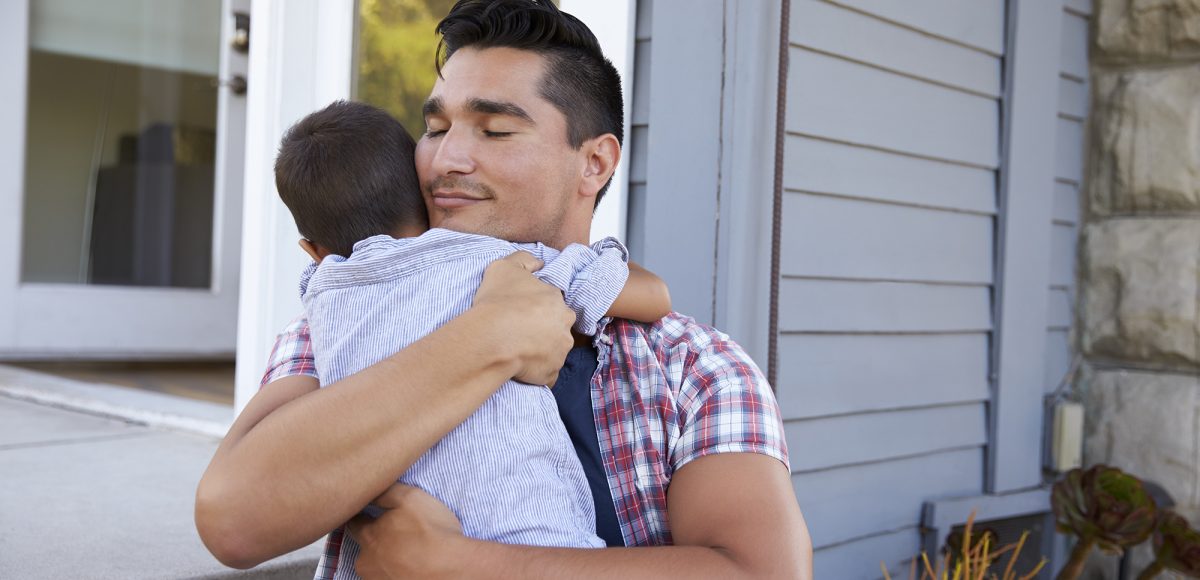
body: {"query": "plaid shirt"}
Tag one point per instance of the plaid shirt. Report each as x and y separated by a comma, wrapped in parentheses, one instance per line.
(664, 394)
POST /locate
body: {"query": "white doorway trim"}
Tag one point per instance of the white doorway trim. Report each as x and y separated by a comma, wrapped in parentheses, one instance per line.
(614, 25)
(301, 57)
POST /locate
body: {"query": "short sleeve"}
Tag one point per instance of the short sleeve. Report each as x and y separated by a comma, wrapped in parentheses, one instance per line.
(292, 355)
(591, 278)
(728, 407)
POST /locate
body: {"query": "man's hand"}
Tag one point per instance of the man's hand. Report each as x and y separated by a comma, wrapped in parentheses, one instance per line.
(413, 538)
(538, 327)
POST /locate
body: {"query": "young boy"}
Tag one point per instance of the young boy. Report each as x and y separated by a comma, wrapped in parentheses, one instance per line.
(382, 279)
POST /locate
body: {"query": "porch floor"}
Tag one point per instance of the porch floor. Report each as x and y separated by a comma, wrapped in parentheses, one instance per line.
(108, 493)
(200, 381)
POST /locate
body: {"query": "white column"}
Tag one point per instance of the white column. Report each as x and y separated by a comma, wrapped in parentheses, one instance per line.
(301, 58)
(613, 23)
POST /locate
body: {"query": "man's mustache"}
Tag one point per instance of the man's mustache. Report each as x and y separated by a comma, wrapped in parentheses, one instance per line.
(455, 183)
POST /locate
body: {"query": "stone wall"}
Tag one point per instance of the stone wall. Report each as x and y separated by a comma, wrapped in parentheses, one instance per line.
(1139, 321)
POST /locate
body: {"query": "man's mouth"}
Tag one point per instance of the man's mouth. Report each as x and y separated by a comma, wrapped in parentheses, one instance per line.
(454, 199)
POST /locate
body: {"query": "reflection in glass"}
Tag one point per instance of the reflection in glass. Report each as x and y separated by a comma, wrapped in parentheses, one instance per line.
(396, 45)
(120, 142)
(395, 52)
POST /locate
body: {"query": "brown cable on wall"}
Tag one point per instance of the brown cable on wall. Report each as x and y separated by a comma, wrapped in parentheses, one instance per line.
(777, 210)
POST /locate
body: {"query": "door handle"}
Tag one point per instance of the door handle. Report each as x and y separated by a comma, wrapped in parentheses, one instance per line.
(236, 84)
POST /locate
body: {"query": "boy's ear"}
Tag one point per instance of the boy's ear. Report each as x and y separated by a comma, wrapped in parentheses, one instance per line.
(317, 253)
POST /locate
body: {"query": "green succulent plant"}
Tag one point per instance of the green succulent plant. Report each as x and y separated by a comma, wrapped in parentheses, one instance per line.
(1176, 547)
(1103, 506)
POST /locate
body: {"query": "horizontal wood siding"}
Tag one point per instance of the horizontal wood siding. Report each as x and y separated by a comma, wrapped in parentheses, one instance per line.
(1073, 102)
(838, 373)
(816, 165)
(823, 27)
(978, 24)
(851, 560)
(856, 239)
(851, 306)
(861, 105)
(885, 310)
(958, 427)
(860, 501)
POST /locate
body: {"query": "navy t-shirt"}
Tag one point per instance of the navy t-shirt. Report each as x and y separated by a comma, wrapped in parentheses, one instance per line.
(573, 393)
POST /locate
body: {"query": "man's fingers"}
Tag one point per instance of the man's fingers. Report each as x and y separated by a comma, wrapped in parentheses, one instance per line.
(525, 260)
(356, 525)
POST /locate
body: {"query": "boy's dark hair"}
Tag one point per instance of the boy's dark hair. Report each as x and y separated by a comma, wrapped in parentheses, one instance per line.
(579, 81)
(346, 172)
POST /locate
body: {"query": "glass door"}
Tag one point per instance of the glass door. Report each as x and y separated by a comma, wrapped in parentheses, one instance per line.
(128, 160)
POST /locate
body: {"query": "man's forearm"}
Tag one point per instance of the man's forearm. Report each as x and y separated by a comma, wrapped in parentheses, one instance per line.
(491, 560)
(308, 466)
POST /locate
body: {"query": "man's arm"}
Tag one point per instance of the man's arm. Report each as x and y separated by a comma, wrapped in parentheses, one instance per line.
(733, 515)
(300, 461)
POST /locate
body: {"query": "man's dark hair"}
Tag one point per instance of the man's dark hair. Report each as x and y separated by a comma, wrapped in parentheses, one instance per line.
(346, 172)
(579, 80)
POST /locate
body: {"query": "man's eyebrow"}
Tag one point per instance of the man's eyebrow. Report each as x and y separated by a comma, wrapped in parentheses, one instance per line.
(432, 106)
(489, 107)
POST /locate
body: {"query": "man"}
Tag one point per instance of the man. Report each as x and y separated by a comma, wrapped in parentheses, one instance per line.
(677, 430)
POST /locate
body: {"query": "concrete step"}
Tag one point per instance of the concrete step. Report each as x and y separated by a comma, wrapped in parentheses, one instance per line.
(90, 496)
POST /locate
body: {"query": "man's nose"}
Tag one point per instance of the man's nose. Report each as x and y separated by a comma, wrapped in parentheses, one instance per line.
(454, 153)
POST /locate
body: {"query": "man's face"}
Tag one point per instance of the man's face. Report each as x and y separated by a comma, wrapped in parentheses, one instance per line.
(495, 158)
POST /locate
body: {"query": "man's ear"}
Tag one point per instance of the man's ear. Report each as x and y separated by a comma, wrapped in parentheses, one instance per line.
(317, 253)
(603, 154)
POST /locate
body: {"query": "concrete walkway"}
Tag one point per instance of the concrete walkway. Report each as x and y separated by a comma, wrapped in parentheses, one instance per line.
(98, 482)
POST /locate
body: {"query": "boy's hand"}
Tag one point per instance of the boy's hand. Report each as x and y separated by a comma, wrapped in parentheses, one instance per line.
(532, 322)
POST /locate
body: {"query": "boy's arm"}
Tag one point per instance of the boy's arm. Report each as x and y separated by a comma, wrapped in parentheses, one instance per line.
(645, 297)
(599, 281)
(300, 461)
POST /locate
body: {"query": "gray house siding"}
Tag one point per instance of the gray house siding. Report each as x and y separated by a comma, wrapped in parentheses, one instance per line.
(889, 357)
(893, 125)
(1072, 112)
(639, 130)
(674, 199)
